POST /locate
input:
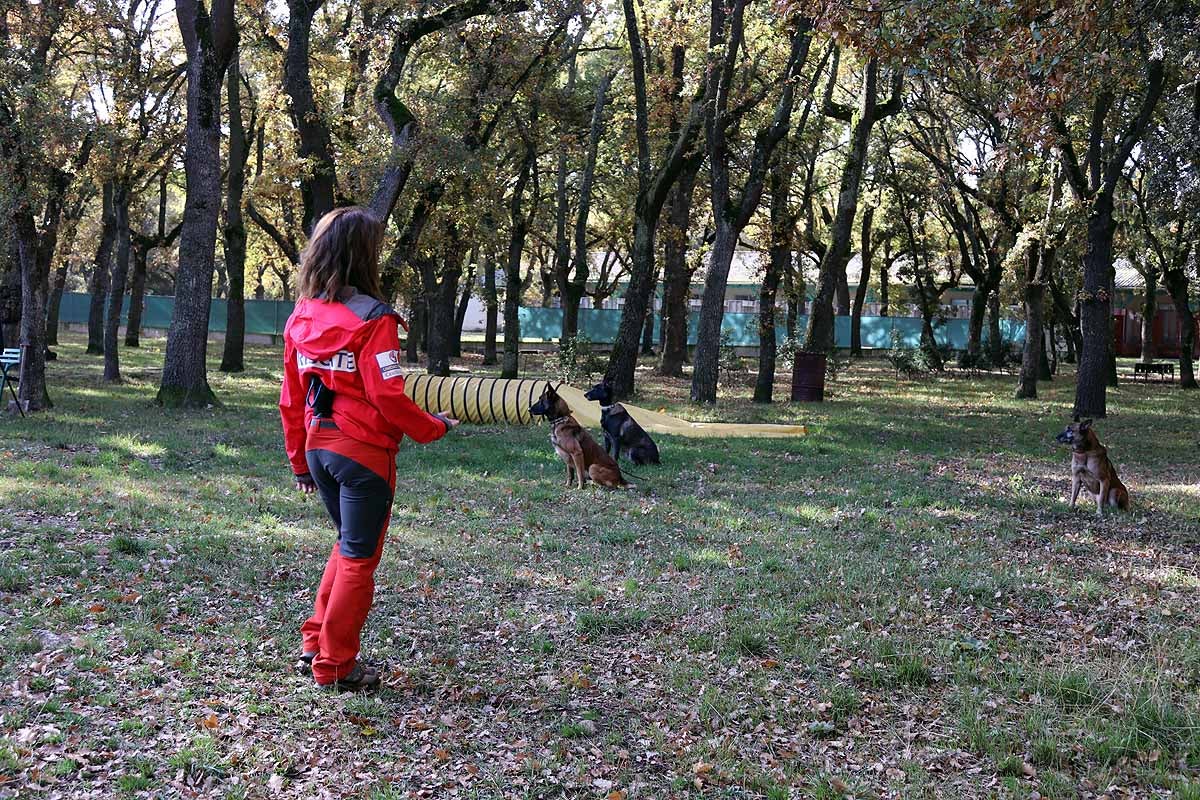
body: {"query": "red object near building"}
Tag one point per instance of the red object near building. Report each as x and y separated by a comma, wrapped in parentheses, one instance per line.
(1127, 333)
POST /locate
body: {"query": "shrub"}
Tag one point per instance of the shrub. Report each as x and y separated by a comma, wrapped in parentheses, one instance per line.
(730, 363)
(907, 361)
(577, 360)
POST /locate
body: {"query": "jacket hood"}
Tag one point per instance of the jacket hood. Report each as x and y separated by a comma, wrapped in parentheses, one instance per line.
(319, 329)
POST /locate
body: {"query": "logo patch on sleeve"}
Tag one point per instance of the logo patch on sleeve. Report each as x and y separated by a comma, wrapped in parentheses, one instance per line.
(389, 364)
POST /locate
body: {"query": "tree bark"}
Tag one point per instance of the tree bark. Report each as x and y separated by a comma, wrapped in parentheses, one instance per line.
(315, 147)
(1177, 285)
(137, 297)
(842, 296)
(233, 355)
(819, 336)
(210, 40)
(1070, 320)
(1095, 313)
(648, 328)
(441, 289)
(116, 286)
(1095, 183)
(59, 283)
(1039, 262)
(1034, 289)
(491, 299)
(779, 263)
(562, 263)
(514, 286)
(573, 286)
(101, 268)
(460, 313)
(653, 186)
(10, 296)
(884, 275)
(142, 245)
(416, 328)
(36, 252)
(731, 216)
(996, 344)
(677, 276)
(979, 301)
(864, 279)
(1149, 307)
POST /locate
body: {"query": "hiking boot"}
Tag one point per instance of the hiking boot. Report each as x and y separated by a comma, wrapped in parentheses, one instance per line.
(304, 663)
(360, 679)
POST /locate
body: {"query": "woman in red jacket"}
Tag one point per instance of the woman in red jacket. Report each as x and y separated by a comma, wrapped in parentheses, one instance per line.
(344, 414)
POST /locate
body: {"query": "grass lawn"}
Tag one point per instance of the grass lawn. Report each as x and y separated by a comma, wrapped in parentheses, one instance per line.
(898, 605)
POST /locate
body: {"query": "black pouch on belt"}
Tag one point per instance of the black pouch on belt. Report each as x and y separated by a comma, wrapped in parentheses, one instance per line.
(320, 398)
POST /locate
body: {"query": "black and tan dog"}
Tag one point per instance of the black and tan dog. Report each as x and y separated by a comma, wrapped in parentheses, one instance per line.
(575, 446)
(1091, 469)
(620, 429)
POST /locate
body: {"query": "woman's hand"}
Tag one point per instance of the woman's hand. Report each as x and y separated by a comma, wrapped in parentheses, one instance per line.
(451, 422)
(305, 483)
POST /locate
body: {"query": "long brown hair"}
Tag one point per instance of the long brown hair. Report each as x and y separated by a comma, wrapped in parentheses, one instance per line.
(343, 251)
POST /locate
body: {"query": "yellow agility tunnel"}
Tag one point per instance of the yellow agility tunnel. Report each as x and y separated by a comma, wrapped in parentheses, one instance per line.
(490, 401)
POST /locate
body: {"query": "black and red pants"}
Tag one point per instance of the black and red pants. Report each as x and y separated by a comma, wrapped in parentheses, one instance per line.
(357, 482)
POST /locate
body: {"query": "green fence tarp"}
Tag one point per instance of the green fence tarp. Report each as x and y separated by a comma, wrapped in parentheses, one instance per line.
(597, 324)
(741, 329)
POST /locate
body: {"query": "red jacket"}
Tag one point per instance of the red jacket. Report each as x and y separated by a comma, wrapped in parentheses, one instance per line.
(354, 347)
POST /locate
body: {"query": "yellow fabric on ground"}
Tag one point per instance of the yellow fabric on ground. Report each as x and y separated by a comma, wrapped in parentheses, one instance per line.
(486, 401)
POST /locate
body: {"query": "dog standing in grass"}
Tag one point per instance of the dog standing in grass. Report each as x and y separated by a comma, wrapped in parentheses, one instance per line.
(1091, 469)
(621, 429)
(575, 446)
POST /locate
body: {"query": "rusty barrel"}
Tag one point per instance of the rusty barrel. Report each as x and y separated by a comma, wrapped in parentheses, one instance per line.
(808, 377)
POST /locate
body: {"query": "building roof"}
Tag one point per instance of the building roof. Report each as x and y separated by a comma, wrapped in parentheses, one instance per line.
(1127, 277)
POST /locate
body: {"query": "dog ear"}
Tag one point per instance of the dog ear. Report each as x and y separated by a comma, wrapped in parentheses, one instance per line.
(1087, 423)
(556, 388)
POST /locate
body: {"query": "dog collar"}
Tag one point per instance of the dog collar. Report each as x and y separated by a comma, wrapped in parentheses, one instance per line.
(606, 408)
(559, 420)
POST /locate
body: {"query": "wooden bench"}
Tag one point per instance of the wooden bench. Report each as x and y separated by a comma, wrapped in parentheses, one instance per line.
(1162, 370)
(10, 369)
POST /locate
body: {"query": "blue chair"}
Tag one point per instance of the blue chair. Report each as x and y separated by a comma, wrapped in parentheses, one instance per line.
(10, 368)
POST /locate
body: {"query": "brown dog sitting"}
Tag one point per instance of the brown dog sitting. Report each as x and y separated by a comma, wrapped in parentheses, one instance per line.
(1091, 469)
(575, 446)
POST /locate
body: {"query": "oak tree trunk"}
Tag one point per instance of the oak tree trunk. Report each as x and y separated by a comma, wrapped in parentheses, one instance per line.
(137, 297)
(101, 267)
(116, 286)
(10, 295)
(730, 214)
(677, 277)
(491, 299)
(860, 291)
(233, 355)
(1149, 306)
(1030, 354)
(573, 286)
(318, 182)
(1177, 285)
(1095, 311)
(819, 336)
(779, 264)
(209, 41)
